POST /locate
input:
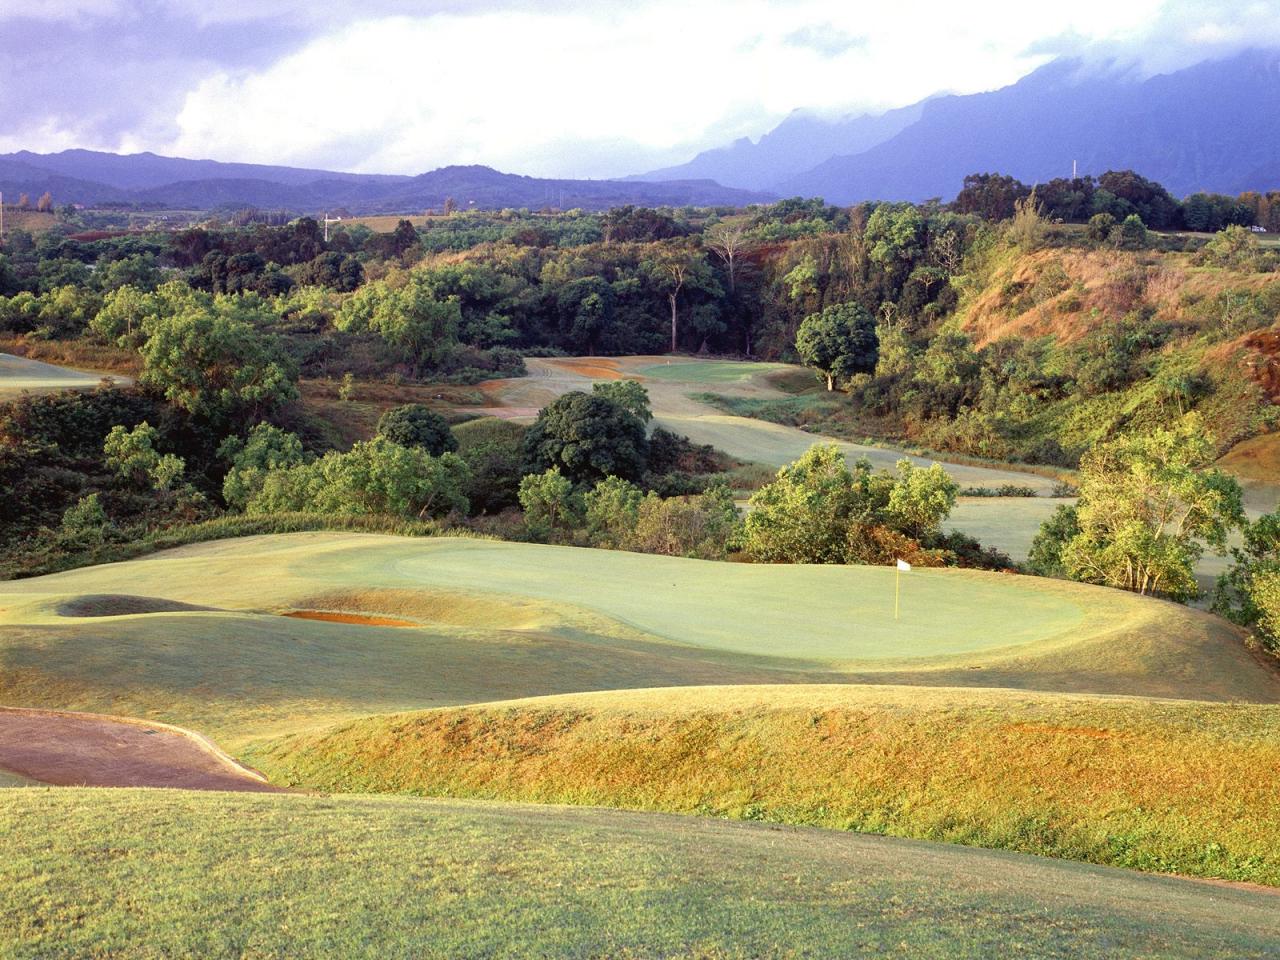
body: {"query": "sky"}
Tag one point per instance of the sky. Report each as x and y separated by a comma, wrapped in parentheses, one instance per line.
(540, 87)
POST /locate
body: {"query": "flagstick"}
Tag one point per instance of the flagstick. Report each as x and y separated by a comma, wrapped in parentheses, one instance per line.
(897, 587)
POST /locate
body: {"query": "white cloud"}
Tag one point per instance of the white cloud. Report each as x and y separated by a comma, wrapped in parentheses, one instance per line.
(636, 87)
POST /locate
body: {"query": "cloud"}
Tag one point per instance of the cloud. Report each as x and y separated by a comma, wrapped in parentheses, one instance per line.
(550, 87)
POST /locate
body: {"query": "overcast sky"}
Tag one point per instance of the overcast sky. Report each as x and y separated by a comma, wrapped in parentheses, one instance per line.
(550, 88)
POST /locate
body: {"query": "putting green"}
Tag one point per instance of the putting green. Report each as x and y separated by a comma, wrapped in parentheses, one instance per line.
(812, 615)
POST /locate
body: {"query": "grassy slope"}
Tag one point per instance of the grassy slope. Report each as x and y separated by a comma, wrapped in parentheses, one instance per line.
(161, 874)
(504, 620)
(1171, 786)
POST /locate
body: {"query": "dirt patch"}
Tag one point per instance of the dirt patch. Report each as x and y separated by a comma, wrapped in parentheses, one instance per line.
(121, 605)
(597, 368)
(357, 618)
(1255, 459)
(92, 750)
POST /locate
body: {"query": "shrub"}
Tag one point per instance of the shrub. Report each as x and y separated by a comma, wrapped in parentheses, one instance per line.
(417, 425)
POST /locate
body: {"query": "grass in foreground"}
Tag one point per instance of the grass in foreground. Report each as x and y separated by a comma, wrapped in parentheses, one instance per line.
(1162, 786)
(143, 874)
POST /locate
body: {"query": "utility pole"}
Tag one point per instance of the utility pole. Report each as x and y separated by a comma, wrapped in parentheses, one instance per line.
(1073, 171)
(1, 216)
(328, 221)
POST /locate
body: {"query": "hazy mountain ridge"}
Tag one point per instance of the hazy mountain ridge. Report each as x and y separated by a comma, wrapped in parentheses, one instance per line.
(90, 177)
(1214, 126)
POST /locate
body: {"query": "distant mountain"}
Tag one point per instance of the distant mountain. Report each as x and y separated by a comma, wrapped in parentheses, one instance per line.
(790, 148)
(1214, 126)
(92, 178)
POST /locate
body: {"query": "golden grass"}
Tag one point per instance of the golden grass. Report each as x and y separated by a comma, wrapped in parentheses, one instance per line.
(1157, 785)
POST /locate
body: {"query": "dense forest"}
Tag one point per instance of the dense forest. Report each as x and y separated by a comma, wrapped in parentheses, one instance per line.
(1015, 324)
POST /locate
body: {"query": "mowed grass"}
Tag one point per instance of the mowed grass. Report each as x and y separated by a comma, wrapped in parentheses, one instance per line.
(149, 874)
(499, 621)
(1165, 786)
(711, 371)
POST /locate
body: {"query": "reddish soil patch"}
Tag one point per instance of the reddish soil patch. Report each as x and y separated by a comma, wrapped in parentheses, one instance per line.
(92, 750)
(362, 619)
(598, 368)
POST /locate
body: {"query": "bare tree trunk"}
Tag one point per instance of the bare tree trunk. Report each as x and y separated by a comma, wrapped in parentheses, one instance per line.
(672, 298)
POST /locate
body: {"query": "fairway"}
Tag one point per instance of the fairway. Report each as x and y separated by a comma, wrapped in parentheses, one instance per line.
(218, 876)
(18, 374)
(671, 384)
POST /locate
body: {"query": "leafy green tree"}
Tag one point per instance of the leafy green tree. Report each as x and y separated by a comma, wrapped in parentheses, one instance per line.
(839, 342)
(1249, 592)
(212, 360)
(406, 313)
(588, 437)
(132, 455)
(548, 502)
(1051, 539)
(265, 449)
(630, 395)
(1132, 234)
(1100, 227)
(818, 510)
(417, 425)
(376, 477)
(611, 510)
(920, 500)
(84, 523)
(701, 527)
(1147, 503)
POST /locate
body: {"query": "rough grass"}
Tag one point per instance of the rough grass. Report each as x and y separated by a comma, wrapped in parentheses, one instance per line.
(1161, 786)
(150, 874)
(711, 371)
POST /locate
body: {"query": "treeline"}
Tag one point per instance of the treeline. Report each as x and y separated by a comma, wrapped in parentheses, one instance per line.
(1118, 194)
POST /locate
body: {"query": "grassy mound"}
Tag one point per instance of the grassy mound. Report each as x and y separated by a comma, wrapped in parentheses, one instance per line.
(120, 605)
(501, 620)
(133, 874)
(1168, 786)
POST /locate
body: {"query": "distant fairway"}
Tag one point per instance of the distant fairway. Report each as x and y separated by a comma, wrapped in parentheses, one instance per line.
(709, 371)
(671, 382)
(136, 874)
(18, 374)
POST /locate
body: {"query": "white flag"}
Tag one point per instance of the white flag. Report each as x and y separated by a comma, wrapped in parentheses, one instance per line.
(903, 565)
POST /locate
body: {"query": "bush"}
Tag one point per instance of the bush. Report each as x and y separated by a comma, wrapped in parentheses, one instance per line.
(588, 438)
(417, 425)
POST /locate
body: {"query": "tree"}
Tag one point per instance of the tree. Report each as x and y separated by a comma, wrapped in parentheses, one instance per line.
(548, 502)
(728, 241)
(990, 195)
(839, 342)
(1132, 234)
(701, 527)
(1249, 592)
(1147, 502)
(630, 395)
(817, 510)
(611, 509)
(1100, 227)
(133, 457)
(212, 360)
(376, 477)
(417, 425)
(265, 449)
(45, 203)
(407, 314)
(450, 206)
(588, 437)
(673, 269)
(24, 201)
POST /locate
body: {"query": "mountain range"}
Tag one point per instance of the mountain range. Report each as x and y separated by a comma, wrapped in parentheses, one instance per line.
(1214, 126)
(93, 178)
